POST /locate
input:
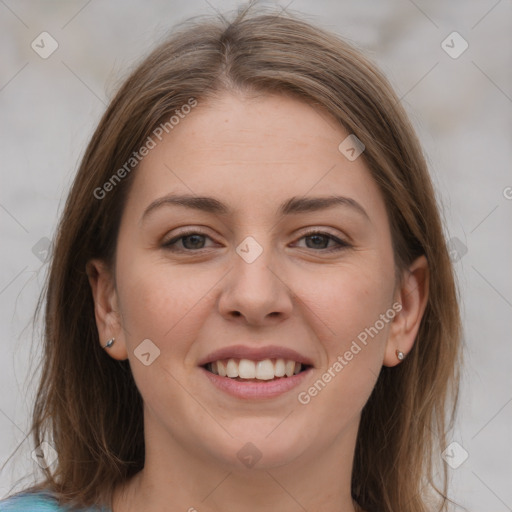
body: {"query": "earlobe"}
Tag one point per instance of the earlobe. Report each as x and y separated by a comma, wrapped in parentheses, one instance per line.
(106, 312)
(412, 297)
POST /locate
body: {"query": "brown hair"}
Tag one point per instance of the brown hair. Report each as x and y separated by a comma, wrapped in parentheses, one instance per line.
(89, 402)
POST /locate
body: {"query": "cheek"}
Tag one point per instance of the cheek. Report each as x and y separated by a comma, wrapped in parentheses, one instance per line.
(157, 300)
(345, 301)
(348, 305)
(162, 303)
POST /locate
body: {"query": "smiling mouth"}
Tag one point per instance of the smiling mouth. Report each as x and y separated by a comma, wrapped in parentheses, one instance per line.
(246, 370)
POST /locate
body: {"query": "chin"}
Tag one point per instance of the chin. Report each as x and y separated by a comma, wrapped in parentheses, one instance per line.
(260, 448)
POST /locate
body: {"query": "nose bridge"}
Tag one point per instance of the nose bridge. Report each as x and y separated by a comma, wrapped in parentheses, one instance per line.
(254, 290)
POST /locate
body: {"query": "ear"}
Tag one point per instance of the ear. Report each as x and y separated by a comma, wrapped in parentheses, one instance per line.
(106, 312)
(412, 296)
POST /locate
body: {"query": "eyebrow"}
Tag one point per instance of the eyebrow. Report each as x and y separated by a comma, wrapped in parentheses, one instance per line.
(292, 206)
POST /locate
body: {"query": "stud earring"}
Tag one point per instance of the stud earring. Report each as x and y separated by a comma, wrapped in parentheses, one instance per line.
(400, 355)
(110, 342)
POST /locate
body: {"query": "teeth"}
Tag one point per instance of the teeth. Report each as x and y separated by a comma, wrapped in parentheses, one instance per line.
(221, 368)
(280, 368)
(262, 370)
(232, 369)
(246, 369)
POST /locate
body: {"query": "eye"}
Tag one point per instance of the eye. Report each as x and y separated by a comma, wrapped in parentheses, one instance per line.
(190, 241)
(319, 239)
(193, 241)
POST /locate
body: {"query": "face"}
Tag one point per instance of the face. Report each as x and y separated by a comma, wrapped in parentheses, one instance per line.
(262, 273)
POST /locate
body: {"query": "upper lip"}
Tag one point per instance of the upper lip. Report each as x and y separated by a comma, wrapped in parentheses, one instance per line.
(255, 354)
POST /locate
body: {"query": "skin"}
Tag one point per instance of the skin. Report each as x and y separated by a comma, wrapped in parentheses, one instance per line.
(252, 153)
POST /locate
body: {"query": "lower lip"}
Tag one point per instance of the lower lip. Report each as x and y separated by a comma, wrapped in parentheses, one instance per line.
(256, 390)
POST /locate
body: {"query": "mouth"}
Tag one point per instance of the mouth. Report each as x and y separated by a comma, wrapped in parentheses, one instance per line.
(247, 370)
(254, 373)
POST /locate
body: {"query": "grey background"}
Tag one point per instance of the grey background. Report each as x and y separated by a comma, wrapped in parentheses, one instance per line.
(461, 108)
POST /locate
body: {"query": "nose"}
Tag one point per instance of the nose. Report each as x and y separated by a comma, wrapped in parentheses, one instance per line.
(256, 292)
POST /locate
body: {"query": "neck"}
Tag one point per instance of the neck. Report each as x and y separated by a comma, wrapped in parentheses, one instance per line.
(177, 479)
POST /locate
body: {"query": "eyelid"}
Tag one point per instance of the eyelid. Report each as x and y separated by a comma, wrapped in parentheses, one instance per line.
(340, 242)
(319, 230)
(184, 233)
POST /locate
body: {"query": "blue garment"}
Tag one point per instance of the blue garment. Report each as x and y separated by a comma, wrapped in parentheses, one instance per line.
(39, 502)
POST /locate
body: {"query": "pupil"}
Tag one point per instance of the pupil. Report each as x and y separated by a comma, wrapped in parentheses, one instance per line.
(317, 237)
(189, 237)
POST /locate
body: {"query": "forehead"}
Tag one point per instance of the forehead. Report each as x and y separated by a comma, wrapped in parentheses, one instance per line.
(252, 152)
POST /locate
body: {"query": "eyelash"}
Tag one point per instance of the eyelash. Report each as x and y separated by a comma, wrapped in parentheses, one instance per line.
(341, 243)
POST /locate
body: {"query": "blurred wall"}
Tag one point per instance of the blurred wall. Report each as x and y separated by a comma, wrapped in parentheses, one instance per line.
(457, 89)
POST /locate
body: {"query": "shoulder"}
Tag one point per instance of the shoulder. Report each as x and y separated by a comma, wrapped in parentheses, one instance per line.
(37, 502)
(25, 502)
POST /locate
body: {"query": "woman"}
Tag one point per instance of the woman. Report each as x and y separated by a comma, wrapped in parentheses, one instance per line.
(250, 304)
